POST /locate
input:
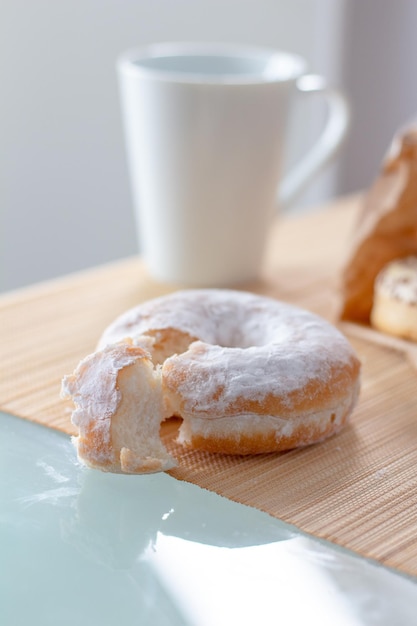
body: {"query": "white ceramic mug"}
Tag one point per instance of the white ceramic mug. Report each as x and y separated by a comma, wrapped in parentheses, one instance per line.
(205, 129)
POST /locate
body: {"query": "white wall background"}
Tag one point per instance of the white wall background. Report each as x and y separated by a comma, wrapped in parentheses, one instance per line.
(64, 192)
(379, 71)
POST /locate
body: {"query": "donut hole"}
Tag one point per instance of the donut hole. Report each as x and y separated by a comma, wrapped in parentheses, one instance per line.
(240, 329)
(165, 343)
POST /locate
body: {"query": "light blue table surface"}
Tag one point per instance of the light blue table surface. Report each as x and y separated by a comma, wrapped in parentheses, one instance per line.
(81, 547)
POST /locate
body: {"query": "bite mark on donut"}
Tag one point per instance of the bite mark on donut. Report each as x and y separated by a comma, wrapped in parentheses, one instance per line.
(117, 392)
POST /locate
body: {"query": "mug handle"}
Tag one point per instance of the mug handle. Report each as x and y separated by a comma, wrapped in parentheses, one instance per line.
(326, 146)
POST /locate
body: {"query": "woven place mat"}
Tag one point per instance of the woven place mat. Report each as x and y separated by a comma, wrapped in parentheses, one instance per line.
(357, 489)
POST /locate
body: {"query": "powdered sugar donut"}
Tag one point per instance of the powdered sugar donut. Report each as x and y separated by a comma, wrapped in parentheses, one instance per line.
(247, 374)
(394, 308)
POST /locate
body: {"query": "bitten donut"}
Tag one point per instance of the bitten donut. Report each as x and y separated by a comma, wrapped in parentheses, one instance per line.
(394, 309)
(247, 375)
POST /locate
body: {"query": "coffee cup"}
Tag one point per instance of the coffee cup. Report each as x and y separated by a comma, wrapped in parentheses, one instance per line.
(206, 135)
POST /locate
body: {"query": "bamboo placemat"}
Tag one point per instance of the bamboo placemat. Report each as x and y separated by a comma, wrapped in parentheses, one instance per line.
(358, 489)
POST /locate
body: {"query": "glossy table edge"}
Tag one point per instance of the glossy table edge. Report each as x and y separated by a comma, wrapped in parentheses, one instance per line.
(79, 531)
(289, 528)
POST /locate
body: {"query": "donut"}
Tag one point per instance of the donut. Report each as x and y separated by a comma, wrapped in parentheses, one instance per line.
(245, 373)
(394, 309)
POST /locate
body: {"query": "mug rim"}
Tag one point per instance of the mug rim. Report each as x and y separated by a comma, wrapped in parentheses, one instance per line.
(129, 63)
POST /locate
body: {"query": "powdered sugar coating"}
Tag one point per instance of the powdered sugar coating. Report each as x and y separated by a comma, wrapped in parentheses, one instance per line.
(398, 280)
(214, 381)
(250, 348)
(93, 388)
